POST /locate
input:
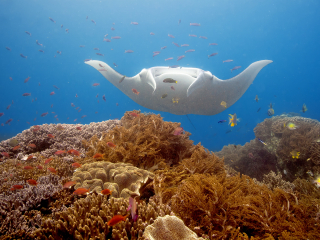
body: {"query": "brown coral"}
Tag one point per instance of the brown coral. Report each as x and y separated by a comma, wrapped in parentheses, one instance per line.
(122, 178)
(89, 216)
(218, 206)
(144, 141)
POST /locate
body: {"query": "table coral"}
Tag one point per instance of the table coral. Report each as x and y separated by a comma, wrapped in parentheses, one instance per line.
(122, 179)
(169, 227)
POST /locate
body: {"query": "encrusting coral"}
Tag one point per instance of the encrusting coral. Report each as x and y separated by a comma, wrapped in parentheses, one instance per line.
(145, 141)
(123, 179)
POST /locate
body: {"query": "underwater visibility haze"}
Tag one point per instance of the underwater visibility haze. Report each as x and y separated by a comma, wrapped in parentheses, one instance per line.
(241, 31)
(149, 119)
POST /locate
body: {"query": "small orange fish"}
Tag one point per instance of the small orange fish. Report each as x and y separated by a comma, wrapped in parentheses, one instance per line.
(135, 91)
(98, 155)
(78, 128)
(32, 182)
(39, 167)
(47, 161)
(16, 148)
(5, 154)
(76, 165)
(133, 114)
(30, 157)
(32, 145)
(52, 170)
(27, 167)
(81, 191)
(50, 136)
(116, 219)
(106, 192)
(17, 187)
(69, 184)
(36, 128)
(110, 144)
(60, 152)
(74, 152)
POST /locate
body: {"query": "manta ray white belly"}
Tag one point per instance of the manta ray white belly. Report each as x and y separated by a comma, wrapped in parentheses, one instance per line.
(196, 91)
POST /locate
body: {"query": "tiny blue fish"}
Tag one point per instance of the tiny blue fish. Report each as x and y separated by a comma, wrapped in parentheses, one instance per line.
(222, 121)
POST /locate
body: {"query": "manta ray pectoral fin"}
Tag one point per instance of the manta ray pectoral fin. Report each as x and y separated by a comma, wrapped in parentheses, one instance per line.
(235, 87)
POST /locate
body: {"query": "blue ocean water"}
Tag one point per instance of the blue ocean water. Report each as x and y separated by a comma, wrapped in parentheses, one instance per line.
(246, 31)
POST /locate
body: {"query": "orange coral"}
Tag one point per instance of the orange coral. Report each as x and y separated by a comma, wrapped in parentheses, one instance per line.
(219, 206)
(144, 141)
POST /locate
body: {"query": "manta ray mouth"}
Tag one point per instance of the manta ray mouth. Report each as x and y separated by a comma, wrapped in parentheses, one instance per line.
(159, 71)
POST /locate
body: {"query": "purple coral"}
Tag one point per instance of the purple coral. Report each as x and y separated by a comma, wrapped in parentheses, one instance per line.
(67, 136)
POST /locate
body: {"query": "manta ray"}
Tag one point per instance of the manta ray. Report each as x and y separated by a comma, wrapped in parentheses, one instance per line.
(182, 90)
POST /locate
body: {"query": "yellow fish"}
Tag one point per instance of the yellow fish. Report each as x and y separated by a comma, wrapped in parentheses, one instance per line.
(317, 181)
(224, 104)
(290, 126)
(175, 100)
(233, 120)
(295, 154)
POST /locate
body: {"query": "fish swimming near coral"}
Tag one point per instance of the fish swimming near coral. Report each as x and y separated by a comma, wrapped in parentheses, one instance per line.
(270, 111)
(198, 91)
(116, 219)
(304, 108)
(233, 120)
(295, 154)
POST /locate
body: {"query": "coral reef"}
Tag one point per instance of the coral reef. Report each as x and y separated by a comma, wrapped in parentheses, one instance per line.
(273, 180)
(123, 179)
(89, 216)
(164, 173)
(145, 141)
(252, 159)
(217, 207)
(14, 203)
(169, 227)
(66, 136)
(292, 151)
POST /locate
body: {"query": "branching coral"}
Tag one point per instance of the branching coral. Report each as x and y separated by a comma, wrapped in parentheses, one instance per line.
(144, 141)
(273, 180)
(89, 216)
(66, 137)
(14, 204)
